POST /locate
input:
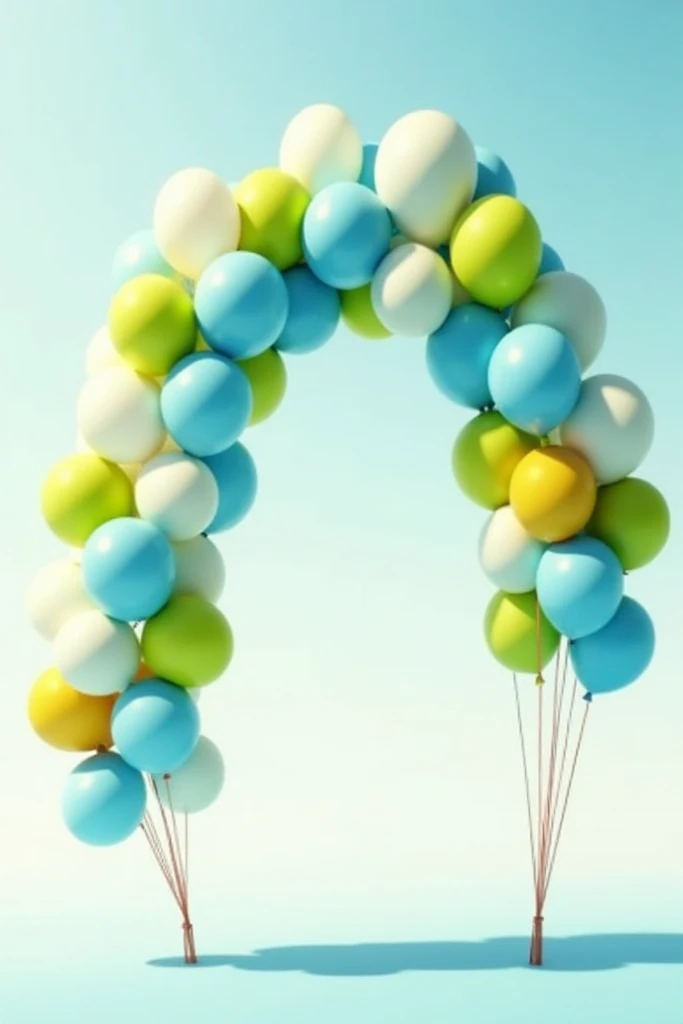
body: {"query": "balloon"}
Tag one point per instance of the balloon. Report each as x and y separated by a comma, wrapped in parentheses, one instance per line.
(101, 354)
(206, 403)
(553, 493)
(200, 569)
(346, 232)
(550, 261)
(494, 177)
(359, 315)
(617, 654)
(508, 555)
(196, 220)
(572, 306)
(155, 726)
(320, 146)
(512, 626)
(313, 313)
(272, 205)
(197, 783)
(241, 304)
(534, 378)
(178, 494)
(82, 492)
(129, 569)
(411, 291)
(119, 416)
(580, 585)
(97, 655)
(56, 594)
(459, 353)
(486, 453)
(151, 324)
(235, 474)
(367, 171)
(67, 719)
(496, 250)
(104, 800)
(425, 174)
(633, 518)
(267, 376)
(139, 255)
(189, 642)
(612, 426)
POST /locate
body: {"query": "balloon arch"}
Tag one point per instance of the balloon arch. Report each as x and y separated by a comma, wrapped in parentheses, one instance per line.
(420, 236)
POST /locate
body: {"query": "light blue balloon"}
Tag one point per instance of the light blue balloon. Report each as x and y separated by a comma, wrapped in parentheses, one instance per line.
(494, 177)
(346, 232)
(241, 304)
(550, 261)
(535, 378)
(128, 568)
(206, 403)
(367, 171)
(618, 654)
(580, 584)
(459, 353)
(104, 800)
(313, 316)
(155, 726)
(139, 255)
(235, 474)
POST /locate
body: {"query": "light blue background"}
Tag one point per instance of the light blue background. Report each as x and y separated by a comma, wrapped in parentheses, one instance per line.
(374, 786)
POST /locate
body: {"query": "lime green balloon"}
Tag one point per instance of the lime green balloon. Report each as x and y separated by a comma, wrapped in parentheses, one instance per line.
(633, 518)
(272, 206)
(152, 324)
(485, 455)
(268, 378)
(189, 642)
(359, 315)
(83, 492)
(496, 249)
(512, 633)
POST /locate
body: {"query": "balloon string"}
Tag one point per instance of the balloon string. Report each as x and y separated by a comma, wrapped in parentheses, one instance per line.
(567, 795)
(545, 827)
(527, 787)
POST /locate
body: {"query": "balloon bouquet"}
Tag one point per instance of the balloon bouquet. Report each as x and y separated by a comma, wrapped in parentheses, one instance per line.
(420, 236)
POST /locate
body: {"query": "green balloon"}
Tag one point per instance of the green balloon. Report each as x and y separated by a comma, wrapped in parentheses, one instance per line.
(189, 642)
(486, 454)
(512, 633)
(268, 378)
(152, 324)
(631, 517)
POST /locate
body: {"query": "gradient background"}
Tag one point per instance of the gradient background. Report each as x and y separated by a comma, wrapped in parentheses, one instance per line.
(374, 781)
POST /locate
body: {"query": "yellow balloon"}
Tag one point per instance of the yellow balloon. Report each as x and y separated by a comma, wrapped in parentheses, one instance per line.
(486, 453)
(152, 324)
(518, 634)
(553, 493)
(359, 315)
(67, 719)
(83, 492)
(268, 378)
(272, 206)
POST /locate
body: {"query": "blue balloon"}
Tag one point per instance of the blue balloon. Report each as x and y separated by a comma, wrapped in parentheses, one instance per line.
(580, 584)
(235, 473)
(346, 232)
(535, 378)
(314, 311)
(155, 726)
(459, 353)
(367, 171)
(494, 177)
(104, 800)
(619, 653)
(241, 304)
(206, 403)
(128, 568)
(550, 261)
(139, 255)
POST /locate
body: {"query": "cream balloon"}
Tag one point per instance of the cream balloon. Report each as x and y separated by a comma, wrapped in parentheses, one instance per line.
(197, 783)
(97, 655)
(321, 146)
(56, 594)
(508, 555)
(612, 426)
(119, 415)
(177, 493)
(425, 174)
(101, 354)
(131, 469)
(200, 569)
(196, 220)
(412, 291)
(572, 306)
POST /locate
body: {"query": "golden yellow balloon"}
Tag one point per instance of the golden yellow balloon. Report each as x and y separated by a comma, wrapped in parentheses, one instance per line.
(553, 493)
(272, 206)
(67, 719)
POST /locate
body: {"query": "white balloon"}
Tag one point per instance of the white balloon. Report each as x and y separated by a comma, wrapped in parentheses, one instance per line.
(425, 174)
(196, 220)
(572, 306)
(321, 146)
(508, 555)
(119, 415)
(197, 783)
(612, 425)
(56, 594)
(412, 291)
(200, 569)
(97, 655)
(177, 493)
(101, 354)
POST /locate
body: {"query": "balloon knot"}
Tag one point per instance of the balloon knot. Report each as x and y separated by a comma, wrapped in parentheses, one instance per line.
(588, 697)
(540, 681)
